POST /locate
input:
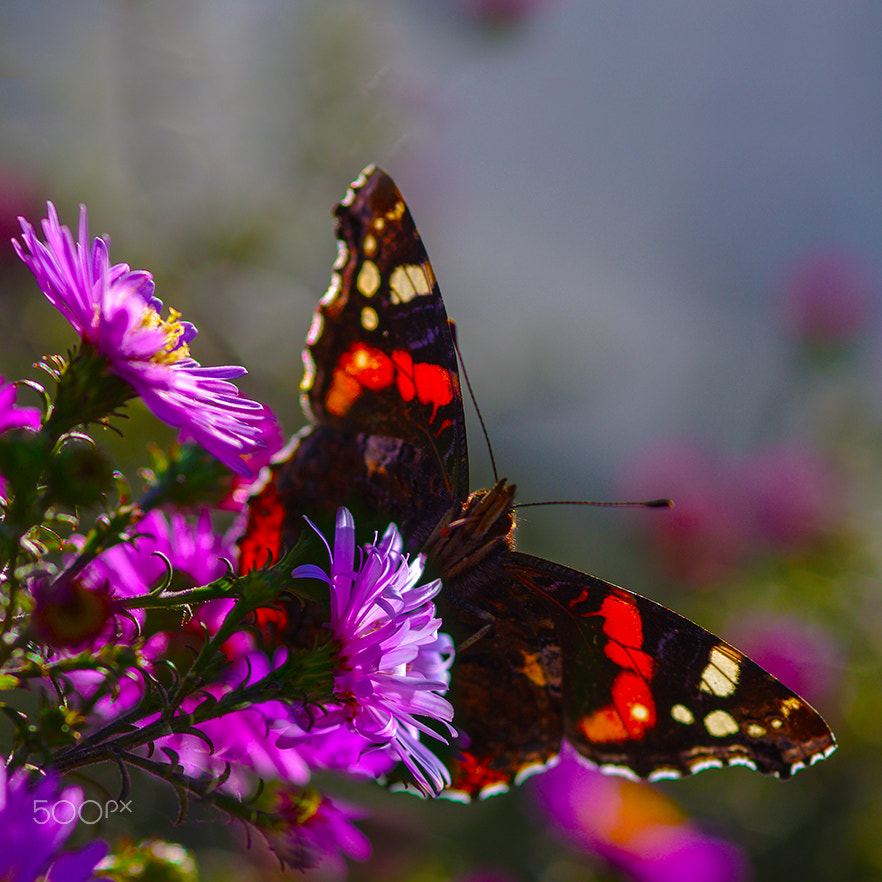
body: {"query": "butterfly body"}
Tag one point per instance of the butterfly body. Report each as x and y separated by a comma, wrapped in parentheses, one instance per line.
(543, 652)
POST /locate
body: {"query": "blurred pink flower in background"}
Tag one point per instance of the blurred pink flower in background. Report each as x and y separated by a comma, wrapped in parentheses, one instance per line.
(502, 12)
(705, 534)
(800, 654)
(827, 300)
(18, 196)
(632, 826)
(794, 497)
(779, 500)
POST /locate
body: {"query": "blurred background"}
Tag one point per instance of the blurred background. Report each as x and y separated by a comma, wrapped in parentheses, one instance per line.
(658, 231)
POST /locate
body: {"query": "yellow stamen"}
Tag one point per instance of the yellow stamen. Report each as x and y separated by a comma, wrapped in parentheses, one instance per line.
(306, 805)
(173, 351)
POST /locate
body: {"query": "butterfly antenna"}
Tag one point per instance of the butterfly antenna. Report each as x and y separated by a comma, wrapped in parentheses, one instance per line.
(642, 503)
(465, 375)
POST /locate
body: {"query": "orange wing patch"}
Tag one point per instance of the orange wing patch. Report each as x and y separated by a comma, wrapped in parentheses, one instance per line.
(366, 367)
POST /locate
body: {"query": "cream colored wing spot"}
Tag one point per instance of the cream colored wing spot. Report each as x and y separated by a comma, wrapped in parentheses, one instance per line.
(370, 245)
(333, 289)
(308, 372)
(720, 676)
(396, 212)
(379, 224)
(368, 280)
(639, 712)
(755, 730)
(342, 255)
(719, 723)
(357, 184)
(790, 704)
(681, 714)
(316, 326)
(369, 319)
(411, 280)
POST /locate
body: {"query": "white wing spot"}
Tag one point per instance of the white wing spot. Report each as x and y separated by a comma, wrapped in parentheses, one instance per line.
(333, 289)
(356, 185)
(308, 372)
(719, 723)
(681, 714)
(409, 281)
(342, 255)
(720, 676)
(369, 319)
(315, 329)
(368, 278)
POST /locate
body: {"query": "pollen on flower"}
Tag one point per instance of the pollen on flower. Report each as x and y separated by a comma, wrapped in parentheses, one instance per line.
(306, 805)
(173, 328)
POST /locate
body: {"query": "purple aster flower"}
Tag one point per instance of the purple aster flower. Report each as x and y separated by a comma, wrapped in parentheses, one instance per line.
(36, 820)
(632, 826)
(196, 554)
(392, 663)
(114, 310)
(14, 417)
(73, 611)
(307, 828)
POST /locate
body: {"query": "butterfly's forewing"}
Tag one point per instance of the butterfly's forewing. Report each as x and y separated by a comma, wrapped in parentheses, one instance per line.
(380, 387)
(650, 693)
(380, 358)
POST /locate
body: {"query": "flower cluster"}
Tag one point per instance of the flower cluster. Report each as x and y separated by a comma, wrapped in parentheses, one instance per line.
(36, 820)
(134, 635)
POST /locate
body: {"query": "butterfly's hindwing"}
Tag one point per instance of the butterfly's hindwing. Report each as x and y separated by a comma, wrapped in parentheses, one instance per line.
(657, 695)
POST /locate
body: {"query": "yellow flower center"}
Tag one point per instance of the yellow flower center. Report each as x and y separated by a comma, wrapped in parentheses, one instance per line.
(173, 351)
(306, 805)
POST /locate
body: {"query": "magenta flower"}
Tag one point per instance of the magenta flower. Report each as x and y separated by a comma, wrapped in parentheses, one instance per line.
(272, 440)
(36, 820)
(393, 665)
(114, 310)
(631, 826)
(196, 554)
(14, 417)
(307, 828)
(11, 415)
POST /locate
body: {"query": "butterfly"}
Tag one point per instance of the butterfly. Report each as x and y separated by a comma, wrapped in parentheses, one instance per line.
(543, 652)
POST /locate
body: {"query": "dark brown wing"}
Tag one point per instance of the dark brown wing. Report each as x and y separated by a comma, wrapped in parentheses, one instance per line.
(648, 692)
(380, 387)
(380, 358)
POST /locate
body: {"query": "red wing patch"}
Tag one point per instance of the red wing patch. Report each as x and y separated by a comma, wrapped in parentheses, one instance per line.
(364, 367)
(261, 543)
